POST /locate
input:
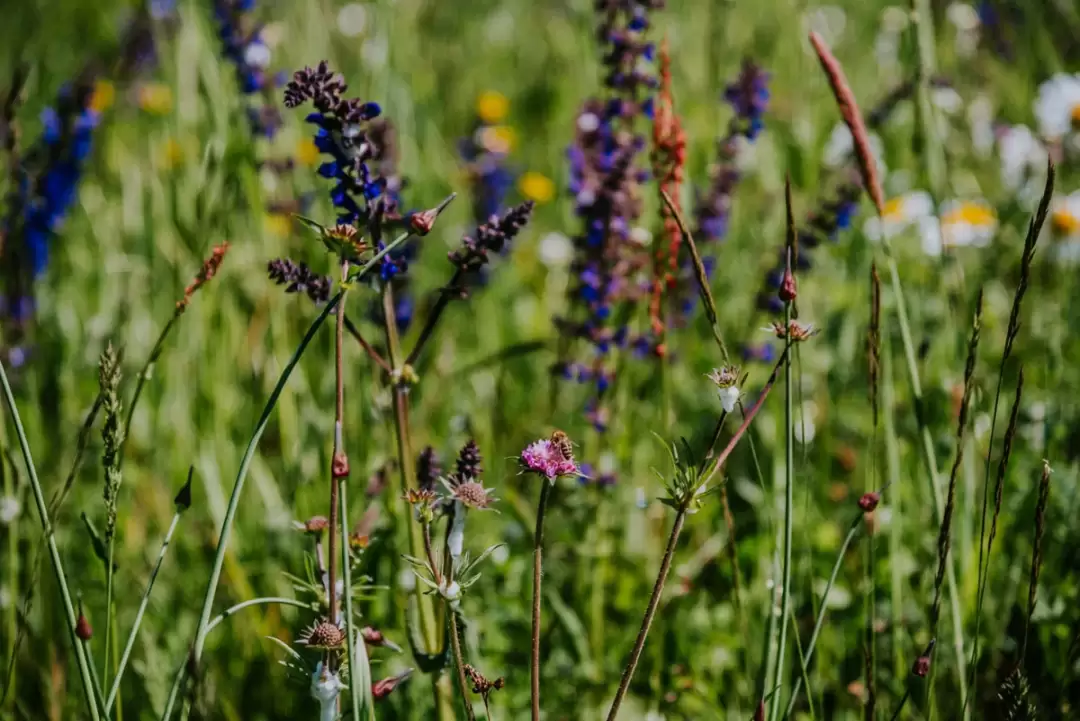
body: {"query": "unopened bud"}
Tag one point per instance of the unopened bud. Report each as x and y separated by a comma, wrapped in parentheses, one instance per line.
(83, 629)
(869, 501)
(423, 222)
(339, 467)
(787, 285)
(381, 689)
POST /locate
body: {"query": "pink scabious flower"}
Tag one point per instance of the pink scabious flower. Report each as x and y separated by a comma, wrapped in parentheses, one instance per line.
(550, 457)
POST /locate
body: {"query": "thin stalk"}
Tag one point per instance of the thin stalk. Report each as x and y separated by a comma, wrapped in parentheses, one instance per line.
(338, 454)
(892, 460)
(139, 614)
(249, 454)
(820, 620)
(650, 611)
(933, 154)
(903, 702)
(538, 545)
(355, 692)
(94, 703)
(459, 666)
(263, 601)
(789, 465)
(368, 348)
(143, 376)
(108, 604)
(241, 476)
(445, 295)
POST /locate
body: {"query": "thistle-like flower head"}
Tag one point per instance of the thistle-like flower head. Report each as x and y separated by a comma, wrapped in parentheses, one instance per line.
(550, 457)
(727, 385)
(323, 635)
(472, 494)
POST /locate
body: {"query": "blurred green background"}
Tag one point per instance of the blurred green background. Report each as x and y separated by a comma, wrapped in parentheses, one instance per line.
(175, 170)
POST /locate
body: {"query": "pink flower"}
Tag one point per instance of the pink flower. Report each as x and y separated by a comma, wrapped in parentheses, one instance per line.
(550, 458)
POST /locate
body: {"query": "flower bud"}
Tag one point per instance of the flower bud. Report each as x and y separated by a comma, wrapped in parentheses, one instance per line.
(83, 629)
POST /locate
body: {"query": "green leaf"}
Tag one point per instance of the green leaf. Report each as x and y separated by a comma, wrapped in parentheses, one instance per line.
(96, 541)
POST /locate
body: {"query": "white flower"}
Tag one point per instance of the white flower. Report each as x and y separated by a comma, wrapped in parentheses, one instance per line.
(352, 19)
(965, 19)
(1021, 155)
(969, 222)
(1057, 109)
(946, 99)
(326, 686)
(556, 250)
(257, 55)
(900, 214)
(1065, 226)
(728, 398)
(840, 146)
(9, 509)
(588, 122)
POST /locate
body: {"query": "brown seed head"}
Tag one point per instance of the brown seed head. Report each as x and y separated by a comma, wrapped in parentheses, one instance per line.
(323, 635)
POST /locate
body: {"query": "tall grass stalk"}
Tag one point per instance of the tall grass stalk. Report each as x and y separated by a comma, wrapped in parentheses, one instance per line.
(933, 150)
(356, 693)
(94, 704)
(538, 550)
(1026, 258)
(849, 109)
(183, 502)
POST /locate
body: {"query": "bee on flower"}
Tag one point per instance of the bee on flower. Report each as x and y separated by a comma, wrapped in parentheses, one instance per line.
(727, 385)
(550, 457)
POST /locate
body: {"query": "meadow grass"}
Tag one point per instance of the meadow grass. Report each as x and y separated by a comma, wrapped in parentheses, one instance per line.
(801, 618)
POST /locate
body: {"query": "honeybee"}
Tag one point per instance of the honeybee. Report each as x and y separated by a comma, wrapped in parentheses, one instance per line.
(563, 444)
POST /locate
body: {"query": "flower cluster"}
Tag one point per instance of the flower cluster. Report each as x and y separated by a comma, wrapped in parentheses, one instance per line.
(299, 278)
(243, 45)
(748, 96)
(45, 182)
(491, 237)
(611, 259)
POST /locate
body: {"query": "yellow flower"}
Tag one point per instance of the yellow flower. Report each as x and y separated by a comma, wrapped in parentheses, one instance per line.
(1064, 222)
(537, 187)
(156, 98)
(104, 94)
(171, 154)
(492, 107)
(306, 152)
(278, 224)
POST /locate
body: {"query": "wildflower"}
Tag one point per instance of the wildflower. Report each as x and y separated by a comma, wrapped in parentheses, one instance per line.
(491, 237)
(799, 331)
(965, 19)
(323, 635)
(726, 380)
(550, 457)
(381, 689)
(306, 153)
(299, 278)
(555, 250)
(472, 494)
(249, 53)
(359, 541)
(155, 98)
(209, 269)
(1023, 158)
(901, 213)
(1057, 108)
(965, 223)
(314, 526)
(492, 107)
(9, 509)
(536, 187)
(469, 464)
(1065, 227)
(485, 154)
(103, 96)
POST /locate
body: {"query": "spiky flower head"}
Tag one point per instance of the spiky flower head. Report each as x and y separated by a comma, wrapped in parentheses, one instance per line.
(798, 331)
(550, 457)
(472, 494)
(469, 464)
(314, 526)
(323, 635)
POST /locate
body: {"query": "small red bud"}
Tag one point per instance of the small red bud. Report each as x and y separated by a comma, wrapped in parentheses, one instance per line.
(83, 629)
(921, 666)
(339, 467)
(381, 689)
(787, 286)
(869, 501)
(422, 223)
(372, 636)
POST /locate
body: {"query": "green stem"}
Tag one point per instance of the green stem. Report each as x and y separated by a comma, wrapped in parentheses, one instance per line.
(94, 703)
(355, 692)
(933, 154)
(789, 467)
(144, 375)
(650, 612)
(139, 614)
(929, 457)
(241, 476)
(459, 665)
(820, 620)
(538, 549)
(108, 603)
(892, 459)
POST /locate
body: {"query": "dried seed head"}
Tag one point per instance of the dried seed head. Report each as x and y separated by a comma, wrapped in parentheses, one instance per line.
(323, 635)
(417, 496)
(314, 526)
(209, 269)
(799, 331)
(481, 684)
